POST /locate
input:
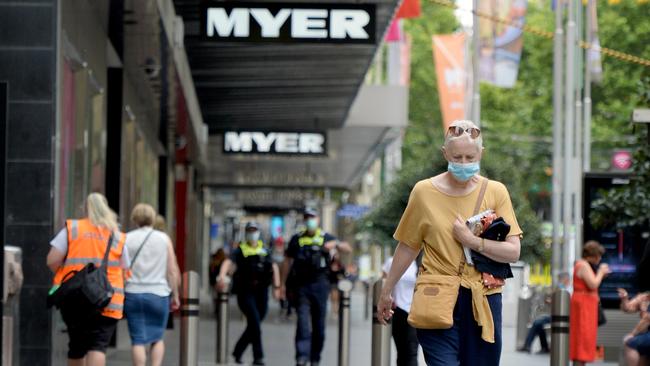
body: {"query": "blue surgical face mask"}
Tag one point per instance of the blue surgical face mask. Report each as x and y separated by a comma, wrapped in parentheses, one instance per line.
(312, 224)
(253, 237)
(464, 172)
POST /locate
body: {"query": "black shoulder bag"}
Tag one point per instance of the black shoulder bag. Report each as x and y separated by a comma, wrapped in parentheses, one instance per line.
(88, 289)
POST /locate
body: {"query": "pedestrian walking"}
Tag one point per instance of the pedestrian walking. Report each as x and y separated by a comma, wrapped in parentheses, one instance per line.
(81, 242)
(455, 310)
(254, 272)
(404, 335)
(308, 258)
(152, 289)
(583, 315)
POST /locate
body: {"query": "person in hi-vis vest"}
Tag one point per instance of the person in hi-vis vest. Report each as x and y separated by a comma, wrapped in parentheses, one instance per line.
(81, 242)
(254, 272)
(308, 259)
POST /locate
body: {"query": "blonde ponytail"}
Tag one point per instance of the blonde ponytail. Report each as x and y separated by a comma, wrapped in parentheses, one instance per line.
(99, 213)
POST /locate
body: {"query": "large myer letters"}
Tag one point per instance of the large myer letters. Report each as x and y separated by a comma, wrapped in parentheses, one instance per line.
(285, 22)
(307, 143)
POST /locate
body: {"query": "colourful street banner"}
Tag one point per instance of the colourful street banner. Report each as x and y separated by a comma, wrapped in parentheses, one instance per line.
(449, 57)
(596, 65)
(394, 33)
(409, 9)
(500, 43)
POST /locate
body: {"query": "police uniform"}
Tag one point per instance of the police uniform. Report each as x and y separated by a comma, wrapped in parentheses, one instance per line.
(310, 271)
(251, 283)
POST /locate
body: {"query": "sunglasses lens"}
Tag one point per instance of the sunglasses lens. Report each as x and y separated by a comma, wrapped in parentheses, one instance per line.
(474, 132)
(455, 131)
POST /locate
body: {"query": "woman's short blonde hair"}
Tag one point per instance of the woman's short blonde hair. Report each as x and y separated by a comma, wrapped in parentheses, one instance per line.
(465, 124)
(143, 215)
(160, 224)
(99, 213)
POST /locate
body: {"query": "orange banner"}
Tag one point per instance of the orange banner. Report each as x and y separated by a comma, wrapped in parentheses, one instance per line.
(449, 57)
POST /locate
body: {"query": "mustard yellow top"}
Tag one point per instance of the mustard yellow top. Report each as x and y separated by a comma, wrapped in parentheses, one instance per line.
(427, 224)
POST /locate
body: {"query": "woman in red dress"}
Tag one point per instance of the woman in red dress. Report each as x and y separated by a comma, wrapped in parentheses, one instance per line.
(584, 304)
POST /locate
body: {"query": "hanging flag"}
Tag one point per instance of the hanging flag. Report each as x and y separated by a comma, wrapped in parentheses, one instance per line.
(394, 33)
(449, 57)
(405, 60)
(595, 62)
(501, 43)
(409, 9)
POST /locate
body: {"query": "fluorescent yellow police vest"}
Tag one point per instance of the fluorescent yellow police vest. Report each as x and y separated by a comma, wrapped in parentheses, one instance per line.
(248, 250)
(316, 239)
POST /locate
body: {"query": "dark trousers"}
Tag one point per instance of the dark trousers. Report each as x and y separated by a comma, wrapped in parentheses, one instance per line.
(405, 338)
(311, 302)
(254, 305)
(462, 344)
(537, 329)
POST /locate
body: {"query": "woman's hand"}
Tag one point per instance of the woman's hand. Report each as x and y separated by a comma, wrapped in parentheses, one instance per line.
(463, 234)
(384, 307)
(175, 303)
(604, 269)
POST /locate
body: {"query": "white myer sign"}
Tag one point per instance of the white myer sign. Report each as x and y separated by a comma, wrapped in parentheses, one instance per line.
(288, 22)
(308, 143)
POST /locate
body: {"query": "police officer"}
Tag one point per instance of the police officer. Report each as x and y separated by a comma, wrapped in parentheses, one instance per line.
(308, 260)
(254, 272)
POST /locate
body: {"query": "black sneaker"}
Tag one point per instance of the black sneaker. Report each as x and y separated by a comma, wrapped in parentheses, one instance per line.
(544, 351)
(259, 361)
(523, 349)
(237, 359)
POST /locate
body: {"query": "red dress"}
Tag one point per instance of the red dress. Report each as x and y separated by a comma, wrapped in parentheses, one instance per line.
(583, 319)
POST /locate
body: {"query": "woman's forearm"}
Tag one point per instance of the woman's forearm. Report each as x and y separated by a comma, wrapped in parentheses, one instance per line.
(402, 259)
(500, 251)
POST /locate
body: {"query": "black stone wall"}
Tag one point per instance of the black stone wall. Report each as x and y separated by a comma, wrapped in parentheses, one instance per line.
(28, 36)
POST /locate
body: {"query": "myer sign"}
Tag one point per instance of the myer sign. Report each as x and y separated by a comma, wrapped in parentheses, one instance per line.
(288, 22)
(306, 143)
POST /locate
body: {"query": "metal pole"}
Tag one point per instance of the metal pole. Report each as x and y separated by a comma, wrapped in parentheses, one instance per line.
(586, 143)
(568, 132)
(366, 310)
(190, 319)
(222, 325)
(380, 333)
(556, 198)
(577, 161)
(345, 286)
(560, 328)
(476, 77)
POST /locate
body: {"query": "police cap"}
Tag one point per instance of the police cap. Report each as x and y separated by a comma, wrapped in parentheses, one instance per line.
(252, 225)
(310, 212)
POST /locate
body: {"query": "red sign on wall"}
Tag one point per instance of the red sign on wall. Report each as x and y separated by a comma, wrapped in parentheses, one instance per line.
(621, 160)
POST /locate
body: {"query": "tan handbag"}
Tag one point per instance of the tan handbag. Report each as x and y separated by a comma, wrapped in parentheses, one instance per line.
(435, 295)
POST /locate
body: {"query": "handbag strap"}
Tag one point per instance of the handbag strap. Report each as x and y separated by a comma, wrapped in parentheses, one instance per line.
(108, 250)
(481, 194)
(477, 207)
(140, 248)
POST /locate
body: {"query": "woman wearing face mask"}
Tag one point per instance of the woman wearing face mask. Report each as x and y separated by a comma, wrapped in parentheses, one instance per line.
(466, 325)
(254, 272)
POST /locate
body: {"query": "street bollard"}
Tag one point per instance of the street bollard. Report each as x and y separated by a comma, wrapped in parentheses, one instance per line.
(560, 328)
(190, 319)
(366, 305)
(524, 310)
(222, 325)
(345, 286)
(380, 333)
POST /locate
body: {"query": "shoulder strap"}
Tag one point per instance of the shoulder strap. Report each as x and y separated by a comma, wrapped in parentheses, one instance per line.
(108, 250)
(140, 248)
(481, 194)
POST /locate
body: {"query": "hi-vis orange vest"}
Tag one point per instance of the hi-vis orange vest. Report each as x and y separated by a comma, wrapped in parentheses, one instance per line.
(87, 244)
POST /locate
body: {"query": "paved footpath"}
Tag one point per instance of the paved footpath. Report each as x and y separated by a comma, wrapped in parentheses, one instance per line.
(278, 334)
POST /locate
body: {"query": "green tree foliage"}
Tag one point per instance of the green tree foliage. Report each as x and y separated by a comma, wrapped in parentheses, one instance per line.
(629, 205)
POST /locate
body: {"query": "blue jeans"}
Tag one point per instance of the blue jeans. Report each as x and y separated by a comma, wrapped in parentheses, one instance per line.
(311, 301)
(537, 329)
(462, 344)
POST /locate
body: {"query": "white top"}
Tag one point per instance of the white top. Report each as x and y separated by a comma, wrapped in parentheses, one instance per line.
(404, 288)
(60, 242)
(149, 268)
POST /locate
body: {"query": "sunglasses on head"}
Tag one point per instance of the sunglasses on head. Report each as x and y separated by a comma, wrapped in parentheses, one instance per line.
(456, 131)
